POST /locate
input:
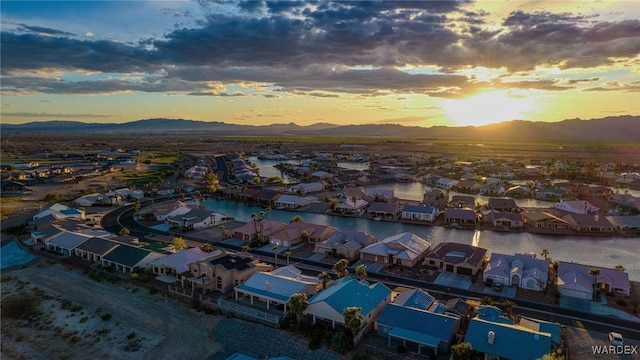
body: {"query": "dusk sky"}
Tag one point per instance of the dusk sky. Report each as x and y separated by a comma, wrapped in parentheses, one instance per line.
(423, 63)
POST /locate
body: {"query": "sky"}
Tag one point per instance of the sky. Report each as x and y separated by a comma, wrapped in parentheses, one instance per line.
(415, 63)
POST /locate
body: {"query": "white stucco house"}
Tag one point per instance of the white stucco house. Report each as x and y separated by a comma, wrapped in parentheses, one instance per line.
(521, 270)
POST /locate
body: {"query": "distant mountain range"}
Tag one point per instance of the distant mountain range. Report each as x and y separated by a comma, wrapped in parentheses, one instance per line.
(610, 129)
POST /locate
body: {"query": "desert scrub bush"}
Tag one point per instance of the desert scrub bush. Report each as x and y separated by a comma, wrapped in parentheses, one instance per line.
(19, 306)
(131, 335)
(84, 320)
(105, 317)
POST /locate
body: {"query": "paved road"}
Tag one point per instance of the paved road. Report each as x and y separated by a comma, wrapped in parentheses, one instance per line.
(123, 217)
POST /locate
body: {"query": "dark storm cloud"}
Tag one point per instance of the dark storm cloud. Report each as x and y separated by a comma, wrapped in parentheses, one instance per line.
(313, 50)
(33, 52)
(43, 30)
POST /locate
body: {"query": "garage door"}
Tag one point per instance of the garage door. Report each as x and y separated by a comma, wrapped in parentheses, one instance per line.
(576, 294)
(465, 271)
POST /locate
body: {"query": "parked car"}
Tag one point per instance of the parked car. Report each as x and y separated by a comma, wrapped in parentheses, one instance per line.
(488, 282)
(616, 338)
(497, 287)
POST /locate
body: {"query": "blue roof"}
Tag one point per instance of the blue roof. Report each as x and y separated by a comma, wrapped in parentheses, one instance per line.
(509, 341)
(415, 336)
(419, 299)
(441, 326)
(419, 209)
(347, 291)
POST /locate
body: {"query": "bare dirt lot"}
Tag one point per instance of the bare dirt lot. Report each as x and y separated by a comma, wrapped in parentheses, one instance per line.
(75, 317)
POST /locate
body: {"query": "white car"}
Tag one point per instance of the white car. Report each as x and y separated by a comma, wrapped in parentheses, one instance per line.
(615, 338)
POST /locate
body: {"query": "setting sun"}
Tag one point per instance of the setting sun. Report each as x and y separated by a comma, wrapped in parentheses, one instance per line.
(487, 108)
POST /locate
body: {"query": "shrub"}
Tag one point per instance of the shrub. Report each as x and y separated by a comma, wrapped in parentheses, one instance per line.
(105, 317)
(361, 355)
(314, 344)
(84, 319)
(131, 335)
(153, 291)
(621, 302)
(75, 339)
(340, 343)
(401, 349)
(20, 306)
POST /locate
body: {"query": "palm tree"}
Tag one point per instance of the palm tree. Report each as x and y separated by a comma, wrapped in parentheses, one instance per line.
(221, 227)
(246, 248)
(353, 318)
(509, 305)
(206, 247)
(298, 304)
(304, 235)
(269, 211)
(275, 254)
(297, 218)
(545, 253)
(340, 268)
(361, 271)
(287, 254)
(354, 198)
(620, 267)
(324, 277)
(595, 273)
(486, 300)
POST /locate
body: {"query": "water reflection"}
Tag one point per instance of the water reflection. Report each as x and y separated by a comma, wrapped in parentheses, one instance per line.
(601, 251)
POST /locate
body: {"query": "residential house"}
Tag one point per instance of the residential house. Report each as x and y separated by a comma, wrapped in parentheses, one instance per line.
(89, 200)
(544, 221)
(417, 317)
(521, 270)
(179, 262)
(381, 195)
(277, 287)
(293, 201)
(93, 249)
(404, 249)
(259, 228)
(306, 188)
(169, 209)
(463, 201)
(350, 192)
(436, 198)
(348, 206)
(292, 234)
(330, 303)
(126, 258)
(65, 242)
(60, 212)
(384, 210)
(468, 186)
(498, 337)
(223, 272)
(627, 225)
(504, 205)
(460, 217)
(445, 183)
(345, 243)
(626, 201)
(574, 280)
(121, 196)
(195, 219)
(420, 213)
(577, 207)
(13, 187)
(267, 197)
(509, 220)
(549, 194)
(518, 192)
(589, 223)
(490, 189)
(457, 258)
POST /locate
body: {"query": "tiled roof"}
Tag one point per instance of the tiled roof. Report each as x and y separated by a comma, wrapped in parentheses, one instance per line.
(97, 245)
(126, 255)
(347, 291)
(455, 253)
(440, 326)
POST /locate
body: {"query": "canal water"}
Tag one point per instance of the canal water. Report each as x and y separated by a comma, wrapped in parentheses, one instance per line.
(601, 251)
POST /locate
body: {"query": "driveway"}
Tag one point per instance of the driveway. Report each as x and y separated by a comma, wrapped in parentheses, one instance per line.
(453, 280)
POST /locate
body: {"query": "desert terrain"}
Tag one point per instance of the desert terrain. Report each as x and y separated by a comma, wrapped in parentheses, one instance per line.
(53, 311)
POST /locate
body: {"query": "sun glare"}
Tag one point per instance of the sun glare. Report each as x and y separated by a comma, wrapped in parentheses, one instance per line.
(487, 108)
